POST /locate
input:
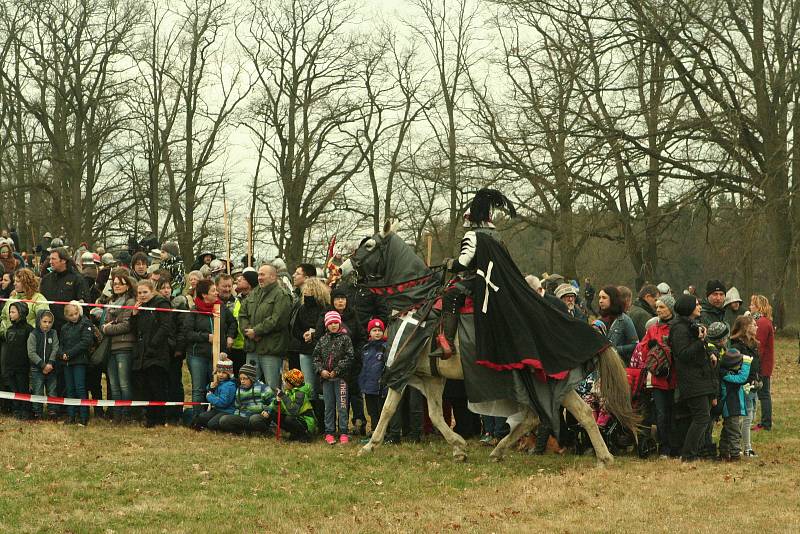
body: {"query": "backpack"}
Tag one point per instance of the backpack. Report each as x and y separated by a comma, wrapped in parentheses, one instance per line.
(657, 361)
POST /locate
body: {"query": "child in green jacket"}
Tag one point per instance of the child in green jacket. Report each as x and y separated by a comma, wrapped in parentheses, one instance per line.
(294, 403)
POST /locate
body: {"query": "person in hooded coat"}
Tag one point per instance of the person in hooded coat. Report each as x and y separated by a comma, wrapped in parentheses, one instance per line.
(733, 306)
(151, 353)
(14, 363)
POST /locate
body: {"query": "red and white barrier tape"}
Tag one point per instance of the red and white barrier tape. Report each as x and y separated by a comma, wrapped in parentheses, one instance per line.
(41, 399)
(96, 305)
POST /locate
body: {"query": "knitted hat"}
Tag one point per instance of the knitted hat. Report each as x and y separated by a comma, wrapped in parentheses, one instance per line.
(332, 317)
(685, 305)
(249, 370)
(668, 301)
(732, 359)
(375, 323)
(715, 285)
(171, 248)
(718, 331)
(294, 377)
(601, 327)
(565, 289)
(338, 292)
(224, 365)
(663, 288)
(251, 277)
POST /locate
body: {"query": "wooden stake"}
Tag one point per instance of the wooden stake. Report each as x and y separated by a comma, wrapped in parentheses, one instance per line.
(215, 347)
(227, 233)
(250, 243)
(430, 249)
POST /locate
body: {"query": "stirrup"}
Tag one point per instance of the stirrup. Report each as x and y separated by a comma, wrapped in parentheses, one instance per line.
(444, 350)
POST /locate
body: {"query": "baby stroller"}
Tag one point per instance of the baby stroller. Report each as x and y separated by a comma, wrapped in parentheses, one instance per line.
(618, 438)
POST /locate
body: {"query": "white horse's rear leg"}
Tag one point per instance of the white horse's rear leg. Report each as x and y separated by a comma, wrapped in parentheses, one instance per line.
(389, 408)
(583, 413)
(433, 388)
(528, 423)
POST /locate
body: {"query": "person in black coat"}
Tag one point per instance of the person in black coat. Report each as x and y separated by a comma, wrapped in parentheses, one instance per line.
(352, 321)
(151, 353)
(198, 331)
(315, 300)
(696, 380)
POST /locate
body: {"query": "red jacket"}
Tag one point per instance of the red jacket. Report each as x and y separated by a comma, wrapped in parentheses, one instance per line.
(766, 345)
(658, 333)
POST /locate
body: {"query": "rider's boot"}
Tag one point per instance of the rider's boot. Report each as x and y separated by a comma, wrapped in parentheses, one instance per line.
(446, 340)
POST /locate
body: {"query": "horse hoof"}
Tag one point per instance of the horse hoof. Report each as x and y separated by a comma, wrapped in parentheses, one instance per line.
(459, 457)
(366, 449)
(605, 462)
(496, 459)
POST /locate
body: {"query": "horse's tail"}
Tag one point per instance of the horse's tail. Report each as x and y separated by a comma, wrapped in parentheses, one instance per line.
(615, 390)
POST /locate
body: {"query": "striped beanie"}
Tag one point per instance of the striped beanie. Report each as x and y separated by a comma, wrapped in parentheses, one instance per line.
(332, 317)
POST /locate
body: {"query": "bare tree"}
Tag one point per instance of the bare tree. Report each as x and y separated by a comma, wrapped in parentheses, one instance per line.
(306, 107)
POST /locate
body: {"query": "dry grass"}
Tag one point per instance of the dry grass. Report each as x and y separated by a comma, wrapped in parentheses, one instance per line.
(102, 479)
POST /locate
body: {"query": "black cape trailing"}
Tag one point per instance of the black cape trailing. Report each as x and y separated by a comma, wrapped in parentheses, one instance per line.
(515, 327)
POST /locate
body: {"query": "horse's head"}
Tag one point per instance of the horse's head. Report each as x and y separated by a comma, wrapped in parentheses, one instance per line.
(368, 261)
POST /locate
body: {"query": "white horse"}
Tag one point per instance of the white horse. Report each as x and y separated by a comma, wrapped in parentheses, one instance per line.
(371, 260)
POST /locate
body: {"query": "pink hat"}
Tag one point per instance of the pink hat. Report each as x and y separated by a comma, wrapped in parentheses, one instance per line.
(332, 317)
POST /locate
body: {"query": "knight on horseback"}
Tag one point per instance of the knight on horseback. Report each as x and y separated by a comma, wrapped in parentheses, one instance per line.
(479, 220)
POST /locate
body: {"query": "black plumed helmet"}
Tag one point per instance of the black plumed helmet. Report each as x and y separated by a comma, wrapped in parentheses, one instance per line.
(480, 209)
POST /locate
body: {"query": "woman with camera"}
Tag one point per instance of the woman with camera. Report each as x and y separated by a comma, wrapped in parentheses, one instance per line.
(697, 385)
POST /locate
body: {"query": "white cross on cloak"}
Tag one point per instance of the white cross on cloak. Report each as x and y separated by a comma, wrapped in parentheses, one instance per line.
(487, 277)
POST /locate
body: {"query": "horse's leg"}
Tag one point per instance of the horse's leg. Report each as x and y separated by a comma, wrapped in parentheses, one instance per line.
(528, 423)
(583, 413)
(432, 388)
(389, 408)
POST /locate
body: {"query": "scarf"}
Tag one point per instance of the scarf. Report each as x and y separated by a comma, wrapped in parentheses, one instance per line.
(201, 306)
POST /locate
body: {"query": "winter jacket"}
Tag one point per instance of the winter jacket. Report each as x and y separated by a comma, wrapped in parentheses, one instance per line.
(752, 352)
(15, 348)
(656, 334)
(177, 272)
(117, 325)
(373, 362)
(696, 377)
(75, 340)
(238, 341)
(710, 314)
(307, 315)
(43, 347)
(153, 330)
(366, 305)
(63, 287)
(296, 402)
(766, 344)
(33, 310)
(731, 392)
(266, 310)
(222, 396)
(177, 342)
(622, 335)
(197, 327)
(731, 315)
(253, 400)
(334, 352)
(350, 325)
(640, 313)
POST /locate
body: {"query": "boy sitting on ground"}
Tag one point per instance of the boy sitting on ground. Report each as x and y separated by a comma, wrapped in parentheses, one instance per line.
(221, 394)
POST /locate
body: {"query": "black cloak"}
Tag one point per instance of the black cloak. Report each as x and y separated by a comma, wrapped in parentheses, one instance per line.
(515, 327)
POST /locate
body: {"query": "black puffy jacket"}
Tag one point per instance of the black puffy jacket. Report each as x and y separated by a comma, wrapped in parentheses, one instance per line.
(153, 330)
(696, 377)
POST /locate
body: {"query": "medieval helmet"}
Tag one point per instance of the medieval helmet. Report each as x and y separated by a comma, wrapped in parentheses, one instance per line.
(480, 209)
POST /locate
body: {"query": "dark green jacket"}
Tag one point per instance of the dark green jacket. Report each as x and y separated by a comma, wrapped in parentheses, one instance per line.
(266, 310)
(640, 313)
(710, 314)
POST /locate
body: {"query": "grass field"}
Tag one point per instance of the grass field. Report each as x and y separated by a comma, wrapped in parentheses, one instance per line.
(57, 478)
